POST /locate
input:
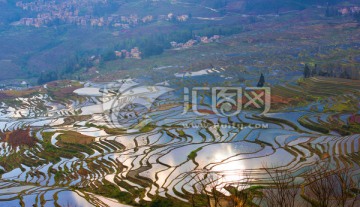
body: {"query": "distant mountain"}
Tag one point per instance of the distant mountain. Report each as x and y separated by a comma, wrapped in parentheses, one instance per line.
(269, 6)
(8, 12)
(265, 6)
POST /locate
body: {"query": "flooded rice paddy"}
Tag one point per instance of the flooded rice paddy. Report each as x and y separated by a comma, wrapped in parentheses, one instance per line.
(160, 160)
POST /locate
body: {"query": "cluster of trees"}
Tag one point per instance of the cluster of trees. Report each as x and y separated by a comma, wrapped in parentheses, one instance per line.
(102, 9)
(10, 13)
(259, 7)
(356, 16)
(275, 6)
(331, 70)
(332, 12)
(155, 44)
(109, 55)
(216, 4)
(48, 76)
(78, 61)
(74, 64)
(322, 187)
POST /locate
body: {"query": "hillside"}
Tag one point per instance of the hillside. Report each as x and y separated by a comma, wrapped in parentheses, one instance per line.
(34, 43)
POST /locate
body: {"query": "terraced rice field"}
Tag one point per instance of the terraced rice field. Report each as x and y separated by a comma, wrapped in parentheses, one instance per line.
(78, 159)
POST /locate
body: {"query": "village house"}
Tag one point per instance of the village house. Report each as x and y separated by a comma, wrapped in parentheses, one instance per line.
(135, 53)
(182, 18)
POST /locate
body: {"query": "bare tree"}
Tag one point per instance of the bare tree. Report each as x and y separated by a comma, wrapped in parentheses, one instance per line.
(240, 193)
(319, 186)
(346, 189)
(214, 180)
(282, 191)
(325, 187)
(200, 187)
(207, 183)
(322, 187)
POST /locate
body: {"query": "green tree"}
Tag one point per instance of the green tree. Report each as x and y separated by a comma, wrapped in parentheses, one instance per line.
(47, 77)
(307, 71)
(261, 81)
(357, 16)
